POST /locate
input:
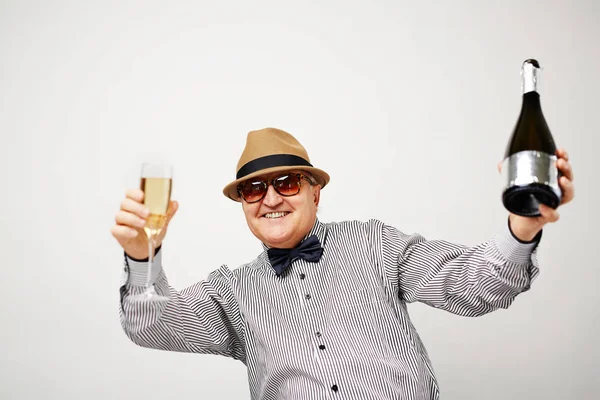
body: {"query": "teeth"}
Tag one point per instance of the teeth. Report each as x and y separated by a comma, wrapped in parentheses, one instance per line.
(275, 214)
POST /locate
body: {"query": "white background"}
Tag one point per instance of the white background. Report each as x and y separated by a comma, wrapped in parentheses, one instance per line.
(408, 105)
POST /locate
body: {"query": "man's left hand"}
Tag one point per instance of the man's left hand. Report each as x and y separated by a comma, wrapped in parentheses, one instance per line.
(526, 228)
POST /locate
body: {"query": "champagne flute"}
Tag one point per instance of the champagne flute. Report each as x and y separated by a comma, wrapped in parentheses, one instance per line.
(156, 183)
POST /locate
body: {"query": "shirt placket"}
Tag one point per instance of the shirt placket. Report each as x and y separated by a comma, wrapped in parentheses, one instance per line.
(313, 300)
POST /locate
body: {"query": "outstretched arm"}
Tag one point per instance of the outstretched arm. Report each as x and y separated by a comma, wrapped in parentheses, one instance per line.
(203, 318)
(468, 281)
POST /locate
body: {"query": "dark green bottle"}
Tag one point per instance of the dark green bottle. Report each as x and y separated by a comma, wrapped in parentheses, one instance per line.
(530, 176)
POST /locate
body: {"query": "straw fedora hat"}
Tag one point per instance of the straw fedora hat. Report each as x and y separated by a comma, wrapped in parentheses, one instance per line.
(271, 150)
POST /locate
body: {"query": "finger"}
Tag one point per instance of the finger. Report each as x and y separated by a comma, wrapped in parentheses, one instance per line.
(135, 194)
(122, 232)
(499, 166)
(173, 207)
(562, 153)
(135, 207)
(129, 219)
(567, 188)
(565, 168)
(548, 213)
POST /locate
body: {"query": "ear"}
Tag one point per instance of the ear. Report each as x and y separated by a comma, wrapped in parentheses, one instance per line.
(316, 194)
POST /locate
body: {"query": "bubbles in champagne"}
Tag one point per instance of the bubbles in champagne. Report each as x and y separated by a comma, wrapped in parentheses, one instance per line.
(154, 224)
(157, 195)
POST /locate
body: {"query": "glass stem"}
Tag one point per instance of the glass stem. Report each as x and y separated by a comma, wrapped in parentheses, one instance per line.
(150, 260)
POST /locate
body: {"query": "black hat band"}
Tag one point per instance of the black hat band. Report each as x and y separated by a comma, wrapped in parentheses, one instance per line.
(274, 160)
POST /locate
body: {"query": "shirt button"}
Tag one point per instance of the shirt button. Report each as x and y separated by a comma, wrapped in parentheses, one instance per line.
(302, 276)
(318, 334)
(307, 297)
(322, 346)
(334, 388)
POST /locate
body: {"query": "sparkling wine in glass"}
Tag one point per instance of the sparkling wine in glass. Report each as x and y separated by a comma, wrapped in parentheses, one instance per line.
(156, 183)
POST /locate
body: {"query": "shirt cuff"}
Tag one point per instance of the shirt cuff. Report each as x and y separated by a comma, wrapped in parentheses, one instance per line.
(138, 270)
(513, 249)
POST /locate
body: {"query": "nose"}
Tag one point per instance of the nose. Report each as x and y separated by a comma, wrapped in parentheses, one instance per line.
(272, 198)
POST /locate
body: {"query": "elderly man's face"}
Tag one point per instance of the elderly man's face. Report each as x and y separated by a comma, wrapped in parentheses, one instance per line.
(282, 221)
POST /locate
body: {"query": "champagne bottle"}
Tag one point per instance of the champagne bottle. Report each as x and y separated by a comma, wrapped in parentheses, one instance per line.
(530, 175)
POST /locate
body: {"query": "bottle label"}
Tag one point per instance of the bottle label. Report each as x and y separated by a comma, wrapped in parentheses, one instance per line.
(529, 167)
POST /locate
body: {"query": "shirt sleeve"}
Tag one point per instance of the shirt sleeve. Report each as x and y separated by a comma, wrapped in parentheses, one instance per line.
(203, 318)
(468, 281)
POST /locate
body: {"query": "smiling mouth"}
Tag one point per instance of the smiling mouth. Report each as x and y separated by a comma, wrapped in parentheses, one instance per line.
(275, 215)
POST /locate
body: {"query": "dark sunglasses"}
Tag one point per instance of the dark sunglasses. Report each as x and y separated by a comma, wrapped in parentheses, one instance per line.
(254, 190)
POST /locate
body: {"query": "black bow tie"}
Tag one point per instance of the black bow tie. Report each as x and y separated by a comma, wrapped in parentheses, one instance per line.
(309, 250)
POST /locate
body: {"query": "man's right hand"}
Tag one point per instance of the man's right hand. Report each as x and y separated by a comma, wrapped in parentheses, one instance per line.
(130, 221)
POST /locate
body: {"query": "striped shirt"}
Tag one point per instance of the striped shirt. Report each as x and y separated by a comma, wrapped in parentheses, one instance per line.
(338, 328)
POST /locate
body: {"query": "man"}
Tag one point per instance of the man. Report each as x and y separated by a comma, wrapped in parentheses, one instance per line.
(326, 319)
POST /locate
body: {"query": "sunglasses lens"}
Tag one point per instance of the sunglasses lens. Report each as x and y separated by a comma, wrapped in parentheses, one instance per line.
(253, 191)
(287, 185)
